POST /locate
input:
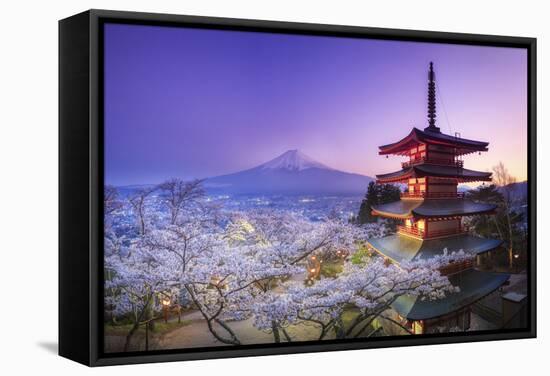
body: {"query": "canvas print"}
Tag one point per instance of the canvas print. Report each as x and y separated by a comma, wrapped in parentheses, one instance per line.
(268, 188)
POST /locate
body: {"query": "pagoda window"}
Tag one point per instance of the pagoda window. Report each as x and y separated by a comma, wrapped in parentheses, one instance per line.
(422, 147)
(421, 224)
(421, 186)
(418, 327)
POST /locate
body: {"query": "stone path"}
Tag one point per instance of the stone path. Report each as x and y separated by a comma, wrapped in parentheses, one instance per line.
(196, 334)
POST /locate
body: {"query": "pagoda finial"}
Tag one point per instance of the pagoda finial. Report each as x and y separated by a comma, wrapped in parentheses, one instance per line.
(431, 100)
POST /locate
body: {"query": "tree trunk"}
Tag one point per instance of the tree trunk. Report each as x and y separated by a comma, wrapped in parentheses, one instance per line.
(142, 225)
(130, 335)
(232, 341)
(276, 334)
(149, 316)
(287, 337)
(135, 327)
(339, 329)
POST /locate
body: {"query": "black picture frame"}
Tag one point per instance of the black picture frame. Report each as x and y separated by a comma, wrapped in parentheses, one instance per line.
(81, 185)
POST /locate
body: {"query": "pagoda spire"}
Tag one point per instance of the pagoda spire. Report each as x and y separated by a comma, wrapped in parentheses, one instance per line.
(431, 101)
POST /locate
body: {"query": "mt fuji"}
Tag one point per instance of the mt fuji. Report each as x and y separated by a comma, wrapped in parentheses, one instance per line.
(291, 173)
(293, 160)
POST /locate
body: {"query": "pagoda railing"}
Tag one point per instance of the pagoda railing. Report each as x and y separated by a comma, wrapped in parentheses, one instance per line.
(432, 194)
(421, 233)
(415, 231)
(438, 161)
(457, 267)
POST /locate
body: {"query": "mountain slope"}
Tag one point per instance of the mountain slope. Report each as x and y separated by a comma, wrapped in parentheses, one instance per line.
(291, 173)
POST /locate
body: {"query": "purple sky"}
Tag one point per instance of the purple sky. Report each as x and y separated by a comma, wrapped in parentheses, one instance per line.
(194, 103)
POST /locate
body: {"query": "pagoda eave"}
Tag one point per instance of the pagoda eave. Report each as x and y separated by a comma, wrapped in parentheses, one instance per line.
(402, 248)
(404, 180)
(428, 208)
(462, 175)
(450, 208)
(390, 215)
(474, 285)
(417, 136)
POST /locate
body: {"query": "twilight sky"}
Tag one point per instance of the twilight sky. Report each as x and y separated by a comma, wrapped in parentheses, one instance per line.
(195, 103)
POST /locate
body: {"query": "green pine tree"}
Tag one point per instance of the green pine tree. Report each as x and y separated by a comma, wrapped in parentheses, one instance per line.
(376, 194)
(389, 193)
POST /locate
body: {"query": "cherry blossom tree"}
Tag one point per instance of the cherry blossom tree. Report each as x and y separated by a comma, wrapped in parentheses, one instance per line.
(178, 195)
(137, 275)
(241, 265)
(138, 202)
(370, 289)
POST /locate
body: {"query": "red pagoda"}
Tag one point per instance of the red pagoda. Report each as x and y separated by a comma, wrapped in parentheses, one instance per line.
(431, 210)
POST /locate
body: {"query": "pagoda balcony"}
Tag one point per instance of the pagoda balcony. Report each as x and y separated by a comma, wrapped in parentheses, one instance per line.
(420, 195)
(422, 234)
(438, 161)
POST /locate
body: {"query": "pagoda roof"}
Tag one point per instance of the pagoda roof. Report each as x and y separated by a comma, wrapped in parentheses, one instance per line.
(432, 208)
(401, 248)
(473, 284)
(443, 171)
(434, 137)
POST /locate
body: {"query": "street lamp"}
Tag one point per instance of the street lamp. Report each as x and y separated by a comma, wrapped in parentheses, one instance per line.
(342, 253)
(165, 307)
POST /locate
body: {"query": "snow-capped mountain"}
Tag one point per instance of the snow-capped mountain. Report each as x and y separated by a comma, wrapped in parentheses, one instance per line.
(293, 160)
(293, 173)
